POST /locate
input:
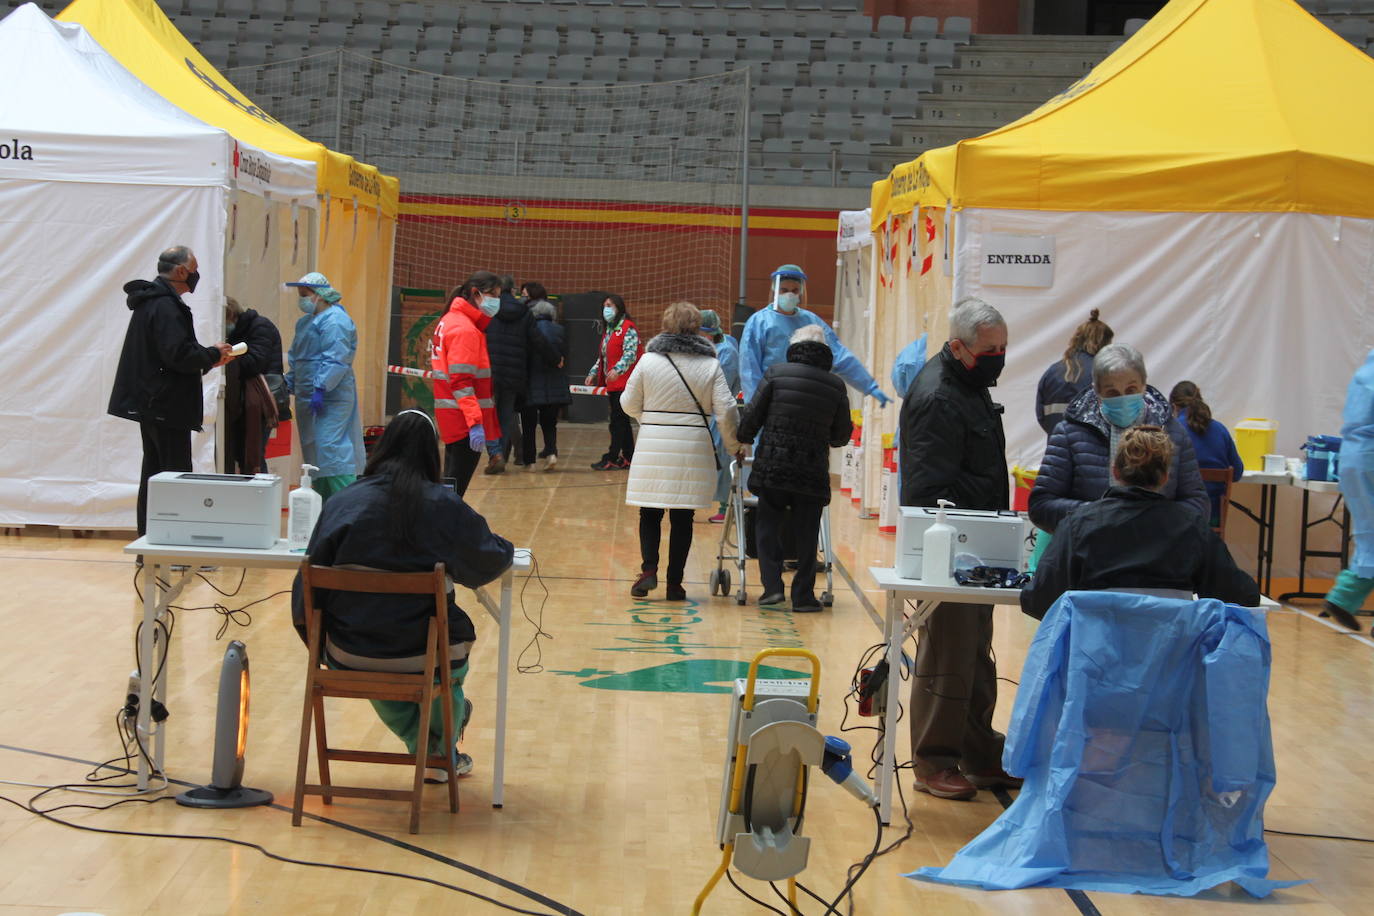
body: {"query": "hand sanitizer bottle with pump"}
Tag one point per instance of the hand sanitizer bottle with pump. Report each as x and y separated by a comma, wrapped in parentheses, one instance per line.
(303, 511)
(937, 548)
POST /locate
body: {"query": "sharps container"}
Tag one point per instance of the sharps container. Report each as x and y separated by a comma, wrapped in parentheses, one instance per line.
(1254, 439)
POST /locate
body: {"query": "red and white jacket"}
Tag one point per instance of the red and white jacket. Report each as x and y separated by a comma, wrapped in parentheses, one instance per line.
(462, 374)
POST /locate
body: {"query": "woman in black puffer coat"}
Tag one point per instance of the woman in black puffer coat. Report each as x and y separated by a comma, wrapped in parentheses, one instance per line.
(547, 392)
(799, 413)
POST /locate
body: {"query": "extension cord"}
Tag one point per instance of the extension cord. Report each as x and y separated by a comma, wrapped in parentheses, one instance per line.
(130, 708)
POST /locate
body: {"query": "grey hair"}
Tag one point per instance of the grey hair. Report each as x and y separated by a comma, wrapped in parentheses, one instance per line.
(173, 258)
(970, 314)
(543, 309)
(808, 333)
(1115, 358)
(232, 306)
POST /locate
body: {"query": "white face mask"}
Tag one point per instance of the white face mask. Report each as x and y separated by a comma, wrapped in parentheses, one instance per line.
(489, 305)
(788, 302)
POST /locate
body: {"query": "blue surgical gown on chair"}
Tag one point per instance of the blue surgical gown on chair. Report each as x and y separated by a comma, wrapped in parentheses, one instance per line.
(1141, 731)
(321, 356)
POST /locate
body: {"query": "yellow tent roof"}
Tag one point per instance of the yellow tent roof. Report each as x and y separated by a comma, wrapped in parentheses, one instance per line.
(1215, 105)
(144, 40)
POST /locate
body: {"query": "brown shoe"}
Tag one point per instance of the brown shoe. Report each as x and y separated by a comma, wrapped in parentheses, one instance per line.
(994, 779)
(948, 783)
(496, 464)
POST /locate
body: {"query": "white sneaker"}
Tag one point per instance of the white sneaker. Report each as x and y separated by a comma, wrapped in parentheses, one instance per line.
(437, 776)
(550, 462)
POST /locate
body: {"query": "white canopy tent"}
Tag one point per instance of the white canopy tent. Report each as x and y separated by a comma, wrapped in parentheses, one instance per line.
(97, 175)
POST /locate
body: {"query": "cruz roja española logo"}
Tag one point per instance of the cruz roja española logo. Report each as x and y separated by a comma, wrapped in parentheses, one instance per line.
(13, 149)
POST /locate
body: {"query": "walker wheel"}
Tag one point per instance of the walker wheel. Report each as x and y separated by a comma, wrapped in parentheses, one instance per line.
(714, 581)
(724, 583)
(827, 599)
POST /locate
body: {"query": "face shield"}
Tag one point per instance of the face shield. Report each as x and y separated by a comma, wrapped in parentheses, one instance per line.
(788, 301)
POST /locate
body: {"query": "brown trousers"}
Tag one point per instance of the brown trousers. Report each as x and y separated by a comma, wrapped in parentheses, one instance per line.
(954, 693)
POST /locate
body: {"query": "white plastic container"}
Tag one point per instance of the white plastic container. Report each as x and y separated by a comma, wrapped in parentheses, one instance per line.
(303, 510)
(937, 548)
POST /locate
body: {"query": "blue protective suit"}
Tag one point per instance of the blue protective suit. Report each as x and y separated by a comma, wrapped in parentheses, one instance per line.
(727, 354)
(1357, 465)
(908, 365)
(1141, 730)
(321, 356)
(766, 337)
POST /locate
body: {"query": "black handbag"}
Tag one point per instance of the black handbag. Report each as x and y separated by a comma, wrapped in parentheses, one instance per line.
(276, 383)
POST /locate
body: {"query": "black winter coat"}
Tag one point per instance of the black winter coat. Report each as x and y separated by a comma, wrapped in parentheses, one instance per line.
(952, 442)
(510, 339)
(1136, 538)
(158, 377)
(548, 385)
(799, 412)
(1055, 392)
(264, 345)
(1074, 469)
(353, 529)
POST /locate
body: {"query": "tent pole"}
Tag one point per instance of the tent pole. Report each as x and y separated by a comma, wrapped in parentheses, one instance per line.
(338, 102)
(744, 192)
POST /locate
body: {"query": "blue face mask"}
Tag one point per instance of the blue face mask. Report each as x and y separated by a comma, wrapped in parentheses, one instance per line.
(489, 305)
(306, 304)
(788, 302)
(1123, 411)
(608, 313)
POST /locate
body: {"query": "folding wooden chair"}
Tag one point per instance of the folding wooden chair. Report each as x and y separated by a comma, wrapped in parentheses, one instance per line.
(420, 687)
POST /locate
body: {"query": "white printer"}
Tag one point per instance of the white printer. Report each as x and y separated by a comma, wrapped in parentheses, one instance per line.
(995, 538)
(186, 509)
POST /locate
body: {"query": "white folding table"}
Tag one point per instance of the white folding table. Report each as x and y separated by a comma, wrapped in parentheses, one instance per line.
(897, 627)
(152, 651)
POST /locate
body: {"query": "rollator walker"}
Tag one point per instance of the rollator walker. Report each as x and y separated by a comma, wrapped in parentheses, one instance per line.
(732, 549)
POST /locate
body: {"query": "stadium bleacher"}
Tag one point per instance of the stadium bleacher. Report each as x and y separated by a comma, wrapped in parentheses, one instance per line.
(837, 98)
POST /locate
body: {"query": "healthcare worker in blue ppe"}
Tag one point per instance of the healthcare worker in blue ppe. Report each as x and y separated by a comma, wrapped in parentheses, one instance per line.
(320, 375)
(727, 354)
(1356, 581)
(767, 332)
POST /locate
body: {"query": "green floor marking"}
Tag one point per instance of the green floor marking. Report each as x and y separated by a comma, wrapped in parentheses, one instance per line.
(696, 675)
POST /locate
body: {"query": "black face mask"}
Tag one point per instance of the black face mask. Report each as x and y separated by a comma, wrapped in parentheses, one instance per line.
(191, 280)
(986, 368)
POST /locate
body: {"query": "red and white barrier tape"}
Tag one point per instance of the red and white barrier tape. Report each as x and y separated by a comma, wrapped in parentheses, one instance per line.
(424, 373)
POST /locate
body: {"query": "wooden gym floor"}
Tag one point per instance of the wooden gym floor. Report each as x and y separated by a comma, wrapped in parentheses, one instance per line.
(615, 760)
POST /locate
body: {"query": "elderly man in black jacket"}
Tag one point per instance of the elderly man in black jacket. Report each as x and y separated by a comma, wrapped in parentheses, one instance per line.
(799, 413)
(248, 405)
(953, 447)
(157, 382)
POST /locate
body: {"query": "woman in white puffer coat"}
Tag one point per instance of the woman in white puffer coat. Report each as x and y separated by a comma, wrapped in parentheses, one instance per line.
(676, 387)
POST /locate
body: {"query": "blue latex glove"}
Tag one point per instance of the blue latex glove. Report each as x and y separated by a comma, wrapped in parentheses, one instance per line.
(477, 438)
(317, 402)
(883, 399)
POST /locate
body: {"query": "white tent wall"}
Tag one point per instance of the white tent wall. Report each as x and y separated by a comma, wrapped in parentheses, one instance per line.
(1269, 313)
(853, 294)
(69, 249)
(269, 243)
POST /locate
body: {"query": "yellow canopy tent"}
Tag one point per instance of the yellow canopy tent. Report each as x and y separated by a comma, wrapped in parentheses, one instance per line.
(358, 204)
(1209, 187)
(1213, 106)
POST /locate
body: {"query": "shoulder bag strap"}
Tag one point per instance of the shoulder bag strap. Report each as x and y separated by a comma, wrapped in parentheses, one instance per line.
(705, 423)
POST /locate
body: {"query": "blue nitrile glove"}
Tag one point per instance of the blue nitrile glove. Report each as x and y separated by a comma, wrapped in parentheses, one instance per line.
(317, 401)
(883, 399)
(477, 438)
